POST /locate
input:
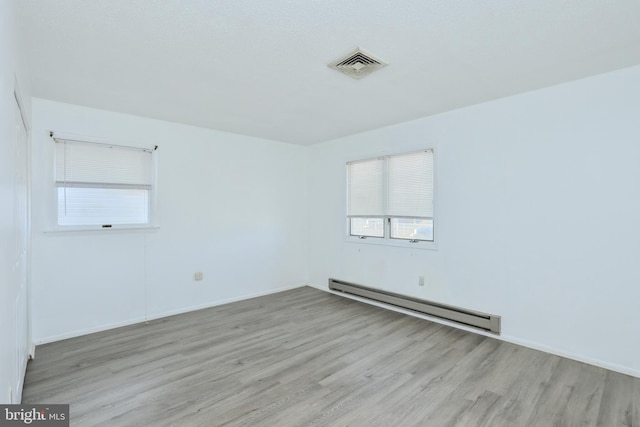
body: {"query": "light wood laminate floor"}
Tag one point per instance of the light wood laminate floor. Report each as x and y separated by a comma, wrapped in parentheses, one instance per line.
(309, 358)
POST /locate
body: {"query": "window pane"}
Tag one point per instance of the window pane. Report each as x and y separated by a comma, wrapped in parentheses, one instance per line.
(100, 206)
(412, 229)
(370, 227)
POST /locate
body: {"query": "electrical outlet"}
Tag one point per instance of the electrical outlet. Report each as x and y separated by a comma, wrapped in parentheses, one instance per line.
(420, 280)
(197, 276)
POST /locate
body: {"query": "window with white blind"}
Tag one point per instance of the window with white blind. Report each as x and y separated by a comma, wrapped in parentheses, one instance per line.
(391, 197)
(102, 185)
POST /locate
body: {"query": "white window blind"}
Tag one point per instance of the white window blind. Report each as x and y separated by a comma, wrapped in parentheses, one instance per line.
(91, 163)
(366, 188)
(101, 184)
(392, 197)
(411, 185)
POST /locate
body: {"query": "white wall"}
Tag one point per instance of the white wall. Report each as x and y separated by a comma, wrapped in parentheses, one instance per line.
(536, 220)
(537, 216)
(230, 206)
(13, 324)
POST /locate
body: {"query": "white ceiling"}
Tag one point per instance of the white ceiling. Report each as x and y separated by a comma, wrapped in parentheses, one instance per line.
(258, 67)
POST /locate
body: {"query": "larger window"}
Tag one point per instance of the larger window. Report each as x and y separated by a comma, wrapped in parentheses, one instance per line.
(391, 197)
(102, 185)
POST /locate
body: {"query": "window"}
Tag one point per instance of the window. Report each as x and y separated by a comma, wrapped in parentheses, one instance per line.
(391, 197)
(102, 185)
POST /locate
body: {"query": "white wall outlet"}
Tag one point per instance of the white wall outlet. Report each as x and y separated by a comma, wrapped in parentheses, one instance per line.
(420, 280)
(197, 276)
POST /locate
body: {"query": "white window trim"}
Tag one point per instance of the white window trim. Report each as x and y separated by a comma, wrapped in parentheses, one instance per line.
(99, 231)
(422, 244)
(387, 241)
(55, 229)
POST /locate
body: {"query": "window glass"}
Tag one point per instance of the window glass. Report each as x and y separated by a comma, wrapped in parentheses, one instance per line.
(102, 206)
(412, 229)
(371, 227)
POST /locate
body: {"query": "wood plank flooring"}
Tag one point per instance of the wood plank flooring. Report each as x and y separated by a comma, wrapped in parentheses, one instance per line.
(308, 358)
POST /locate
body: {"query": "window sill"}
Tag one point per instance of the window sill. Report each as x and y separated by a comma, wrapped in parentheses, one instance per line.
(393, 242)
(89, 230)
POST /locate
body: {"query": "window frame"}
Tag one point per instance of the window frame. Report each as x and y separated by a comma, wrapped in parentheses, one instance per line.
(153, 218)
(386, 239)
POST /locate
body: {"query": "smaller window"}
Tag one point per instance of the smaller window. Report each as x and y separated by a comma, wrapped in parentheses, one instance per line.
(412, 229)
(367, 227)
(391, 197)
(102, 185)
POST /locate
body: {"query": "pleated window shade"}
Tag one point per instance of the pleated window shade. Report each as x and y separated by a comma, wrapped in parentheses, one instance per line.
(100, 184)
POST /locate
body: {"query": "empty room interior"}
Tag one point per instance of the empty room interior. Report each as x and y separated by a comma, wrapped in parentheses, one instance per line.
(278, 213)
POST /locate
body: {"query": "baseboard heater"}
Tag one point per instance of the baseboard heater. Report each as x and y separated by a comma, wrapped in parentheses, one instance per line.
(486, 322)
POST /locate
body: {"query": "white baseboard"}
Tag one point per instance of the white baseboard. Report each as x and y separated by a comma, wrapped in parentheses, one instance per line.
(514, 340)
(87, 331)
(23, 372)
(153, 316)
(221, 302)
(579, 358)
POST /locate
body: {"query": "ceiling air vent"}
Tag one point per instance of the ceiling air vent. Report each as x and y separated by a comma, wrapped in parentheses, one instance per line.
(357, 64)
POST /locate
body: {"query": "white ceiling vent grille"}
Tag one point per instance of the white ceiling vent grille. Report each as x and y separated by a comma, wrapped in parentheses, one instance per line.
(357, 64)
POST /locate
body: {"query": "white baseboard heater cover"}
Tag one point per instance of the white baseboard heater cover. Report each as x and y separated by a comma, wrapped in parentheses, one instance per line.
(484, 321)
